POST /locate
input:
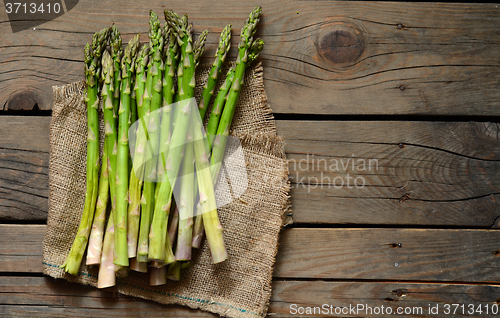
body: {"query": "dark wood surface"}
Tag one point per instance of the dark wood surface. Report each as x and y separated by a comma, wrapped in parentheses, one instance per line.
(422, 231)
(443, 55)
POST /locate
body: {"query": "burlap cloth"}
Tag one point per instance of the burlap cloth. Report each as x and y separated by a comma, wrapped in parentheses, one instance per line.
(238, 287)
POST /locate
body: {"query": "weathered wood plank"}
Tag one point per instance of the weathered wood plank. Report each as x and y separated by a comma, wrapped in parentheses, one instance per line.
(393, 172)
(383, 58)
(424, 254)
(46, 297)
(443, 175)
(21, 249)
(49, 311)
(24, 161)
(415, 298)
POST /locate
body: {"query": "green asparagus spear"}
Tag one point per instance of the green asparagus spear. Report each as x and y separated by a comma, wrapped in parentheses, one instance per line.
(106, 276)
(158, 233)
(173, 222)
(171, 55)
(189, 184)
(135, 183)
(92, 71)
(182, 44)
(212, 125)
(198, 229)
(174, 271)
(156, 72)
(97, 234)
(186, 204)
(220, 57)
(120, 216)
(153, 102)
(115, 43)
(220, 101)
(199, 47)
(141, 83)
(111, 105)
(248, 50)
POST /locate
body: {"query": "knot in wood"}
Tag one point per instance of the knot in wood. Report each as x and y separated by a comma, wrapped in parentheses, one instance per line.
(24, 100)
(341, 46)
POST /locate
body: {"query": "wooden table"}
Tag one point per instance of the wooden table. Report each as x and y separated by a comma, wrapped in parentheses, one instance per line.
(411, 87)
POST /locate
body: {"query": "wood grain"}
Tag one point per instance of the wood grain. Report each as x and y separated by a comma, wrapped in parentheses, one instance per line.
(354, 253)
(409, 296)
(21, 249)
(24, 160)
(393, 172)
(425, 254)
(46, 297)
(335, 57)
(444, 174)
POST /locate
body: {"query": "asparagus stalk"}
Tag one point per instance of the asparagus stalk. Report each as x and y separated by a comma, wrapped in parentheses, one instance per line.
(158, 249)
(132, 119)
(182, 43)
(206, 193)
(212, 125)
(152, 101)
(174, 271)
(134, 213)
(138, 266)
(140, 87)
(173, 223)
(186, 205)
(158, 276)
(106, 276)
(154, 77)
(220, 101)
(120, 216)
(172, 57)
(199, 47)
(198, 229)
(135, 183)
(204, 181)
(142, 63)
(189, 183)
(191, 54)
(156, 73)
(248, 51)
(220, 57)
(92, 71)
(115, 43)
(110, 117)
(171, 52)
(211, 222)
(212, 128)
(97, 234)
(169, 255)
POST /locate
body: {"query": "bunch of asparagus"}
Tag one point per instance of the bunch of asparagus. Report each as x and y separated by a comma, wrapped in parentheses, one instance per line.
(145, 155)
